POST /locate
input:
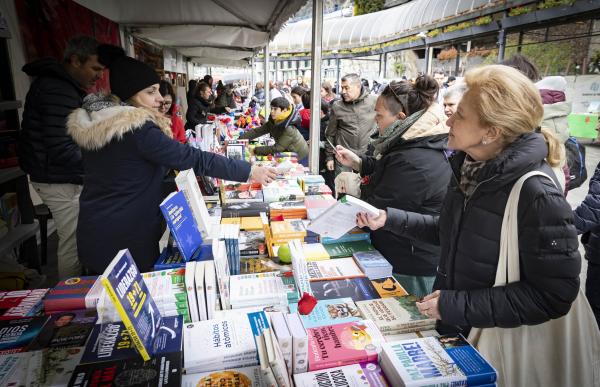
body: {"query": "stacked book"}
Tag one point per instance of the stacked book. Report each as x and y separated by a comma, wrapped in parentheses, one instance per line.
(333, 269)
(354, 235)
(317, 204)
(395, 315)
(311, 184)
(373, 264)
(435, 361)
(21, 303)
(274, 371)
(252, 244)
(347, 249)
(314, 252)
(219, 344)
(283, 190)
(260, 289)
(287, 230)
(288, 210)
(243, 376)
(73, 294)
(246, 209)
(329, 312)
(230, 234)
(367, 374)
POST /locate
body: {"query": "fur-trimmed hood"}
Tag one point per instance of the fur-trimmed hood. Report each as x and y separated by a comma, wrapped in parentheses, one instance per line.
(93, 130)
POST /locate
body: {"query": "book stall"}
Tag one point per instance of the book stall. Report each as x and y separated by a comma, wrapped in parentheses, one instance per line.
(255, 286)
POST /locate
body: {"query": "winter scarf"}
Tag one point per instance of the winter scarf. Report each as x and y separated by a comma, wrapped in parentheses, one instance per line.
(383, 142)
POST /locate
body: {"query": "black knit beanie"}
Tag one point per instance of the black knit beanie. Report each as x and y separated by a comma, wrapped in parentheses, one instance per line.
(127, 75)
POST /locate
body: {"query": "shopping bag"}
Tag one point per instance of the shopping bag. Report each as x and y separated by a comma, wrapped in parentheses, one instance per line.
(560, 352)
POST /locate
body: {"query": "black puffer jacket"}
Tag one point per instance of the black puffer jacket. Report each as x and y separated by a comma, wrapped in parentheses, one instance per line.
(587, 219)
(469, 234)
(198, 111)
(46, 152)
(412, 176)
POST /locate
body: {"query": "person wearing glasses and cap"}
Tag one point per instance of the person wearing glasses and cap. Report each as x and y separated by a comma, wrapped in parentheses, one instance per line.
(408, 169)
(127, 145)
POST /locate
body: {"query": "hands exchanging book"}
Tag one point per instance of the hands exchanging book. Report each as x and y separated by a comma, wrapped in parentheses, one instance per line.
(374, 223)
(262, 175)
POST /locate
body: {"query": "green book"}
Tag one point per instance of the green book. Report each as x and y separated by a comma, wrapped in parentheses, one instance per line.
(346, 249)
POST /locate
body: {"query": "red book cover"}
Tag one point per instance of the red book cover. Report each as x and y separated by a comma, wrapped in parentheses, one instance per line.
(69, 294)
(27, 306)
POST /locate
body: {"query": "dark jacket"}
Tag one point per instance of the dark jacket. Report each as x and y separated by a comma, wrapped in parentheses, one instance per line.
(587, 219)
(413, 175)
(46, 152)
(286, 135)
(126, 152)
(225, 100)
(198, 110)
(469, 234)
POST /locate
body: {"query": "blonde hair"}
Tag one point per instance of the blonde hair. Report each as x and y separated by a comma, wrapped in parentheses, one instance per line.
(507, 100)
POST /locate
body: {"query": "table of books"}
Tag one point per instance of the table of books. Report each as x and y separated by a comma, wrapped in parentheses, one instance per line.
(256, 286)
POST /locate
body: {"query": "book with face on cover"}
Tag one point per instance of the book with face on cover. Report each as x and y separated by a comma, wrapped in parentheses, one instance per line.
(66, 329)
(395, 315)
(343, 344)
(340, 218)
(329, 312)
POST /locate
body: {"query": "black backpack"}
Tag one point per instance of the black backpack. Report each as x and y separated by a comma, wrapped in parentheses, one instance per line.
(575, 153)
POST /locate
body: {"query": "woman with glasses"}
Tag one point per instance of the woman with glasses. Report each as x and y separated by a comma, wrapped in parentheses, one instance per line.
(408, 170)
(170, 109)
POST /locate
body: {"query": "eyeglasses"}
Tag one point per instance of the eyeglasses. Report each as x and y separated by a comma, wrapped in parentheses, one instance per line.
(166, 103)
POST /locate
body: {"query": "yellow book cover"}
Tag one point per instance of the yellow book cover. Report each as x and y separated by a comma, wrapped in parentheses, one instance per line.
(230, 221)
(251, 223)
(288, 229)
(314, 252)
(388, 287)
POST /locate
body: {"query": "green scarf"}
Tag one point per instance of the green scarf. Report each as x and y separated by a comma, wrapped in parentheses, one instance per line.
(392, 133)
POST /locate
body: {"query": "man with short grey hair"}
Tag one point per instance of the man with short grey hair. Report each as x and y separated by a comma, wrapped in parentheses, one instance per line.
(351, 121)
(46, 152)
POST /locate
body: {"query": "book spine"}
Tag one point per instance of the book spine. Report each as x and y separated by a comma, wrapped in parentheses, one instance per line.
(135, 338)
(300, 354)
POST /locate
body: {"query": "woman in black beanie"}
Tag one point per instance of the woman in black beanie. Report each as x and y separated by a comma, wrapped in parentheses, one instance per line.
(127, 145)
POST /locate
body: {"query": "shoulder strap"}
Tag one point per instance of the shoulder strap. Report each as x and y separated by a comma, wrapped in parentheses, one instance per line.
(508, 261)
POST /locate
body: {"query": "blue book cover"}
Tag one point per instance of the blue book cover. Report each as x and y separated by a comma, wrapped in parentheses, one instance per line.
(351, 236)
(329, 312)
(477, 370)
(182, 225)
(17, 335)
(128, 292)
(258, 322)
(358, 289)
(111, 341)
(171, 258)
(371, 259)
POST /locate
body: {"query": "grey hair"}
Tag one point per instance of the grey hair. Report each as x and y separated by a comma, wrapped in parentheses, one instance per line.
(353, 79)
(456, 90)
(81, 46)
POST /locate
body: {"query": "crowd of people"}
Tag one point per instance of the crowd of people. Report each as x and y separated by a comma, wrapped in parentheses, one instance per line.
(438, 156)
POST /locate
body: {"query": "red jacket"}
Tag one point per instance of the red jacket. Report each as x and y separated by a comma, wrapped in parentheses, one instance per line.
(177, 126)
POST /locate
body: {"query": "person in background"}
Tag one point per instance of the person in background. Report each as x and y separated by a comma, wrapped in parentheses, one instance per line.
(280, 127)
(127, 146)
(587, 221)
(556, 108)
(259, 93)
(496, 134)
(409, 151)
(46, 152)
(208, 80)
(201, 106)
(300, 82)
(327, 93)
(225, 98)
(451, 81)
(273, 91)
(351, 120)
(452, 97)
(297, 93)
(170, 109)
(440, 77)
(190, 91)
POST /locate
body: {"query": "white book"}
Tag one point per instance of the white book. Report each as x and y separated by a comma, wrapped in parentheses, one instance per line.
(268, 378)
(190, 287)
(299, 267)
(276, 359)
(247, 290)
(284, 338)
(222, 271)
(186, 182)
(92, 297)
(200, 294)
(340, 218)
(244, 376)
(299, 343)
(367, 374)
(210, 287)
(333, 269)
(219, 343)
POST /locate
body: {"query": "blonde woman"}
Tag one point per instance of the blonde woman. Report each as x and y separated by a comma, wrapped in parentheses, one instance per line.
(496, 134)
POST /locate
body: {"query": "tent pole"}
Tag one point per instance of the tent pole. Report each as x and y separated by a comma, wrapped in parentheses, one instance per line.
(315, 97)
(338, 75)
(501, 44)
(267, 90)
(251, 90)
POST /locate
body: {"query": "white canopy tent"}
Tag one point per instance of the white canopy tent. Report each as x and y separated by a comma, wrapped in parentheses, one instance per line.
(209, 32)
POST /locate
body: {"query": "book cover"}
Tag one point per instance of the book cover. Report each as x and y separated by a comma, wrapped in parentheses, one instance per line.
(343, 344)
(329, 312)
(367, 374)
(395, 314)
(284, 337)
(162, 370)
(299, 343)
(340, 218)
(182, 225)
(170, 258)
(12, 298)
(187, 182)
(333, 269)
(243, 196)
(314, 252)
(371, 259)
(447, 359)
(52, 367)
(17, 335)
(285, 230)
(237, 210)
(111, 341)
(356, 234)
(30, 305)
(251, 223)
(347, 249)
(69, 294)
(13, 369)
(128, 292)
(388, 287)
(233, 377)
(252, 244)
(65, 330)
(357, 289)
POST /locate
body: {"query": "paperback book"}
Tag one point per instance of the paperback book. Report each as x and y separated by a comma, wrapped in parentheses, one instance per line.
(340, 218)
(187, 183)
(252, 244)
(354, 235)
(357, 289)
(182, 225)
(299, 343)
(17, 335)
(366, 374)
(260, 289)
(388, 287)
(373, 264)
(329, 312)
(69, 295)
(343, 344)
(237, 210)
(16, 307)
(333, 269)
(52, 367)
(234, 377)
(65, 330)
(347, 249)
(395, 315)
